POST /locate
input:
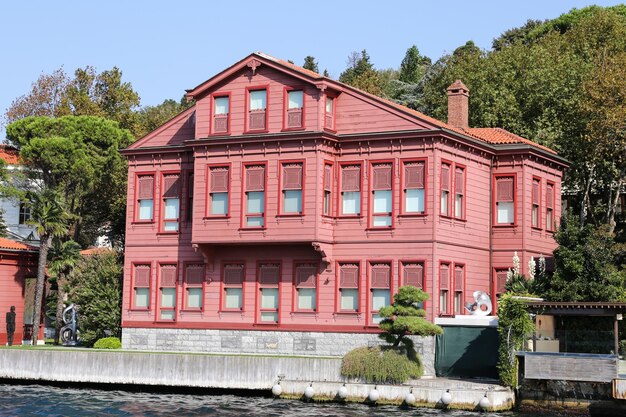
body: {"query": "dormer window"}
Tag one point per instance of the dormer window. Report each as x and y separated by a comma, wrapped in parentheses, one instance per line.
(221, 111)
(295, 106)
(257, 111)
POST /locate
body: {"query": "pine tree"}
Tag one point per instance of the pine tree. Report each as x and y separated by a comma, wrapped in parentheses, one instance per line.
(310, 63)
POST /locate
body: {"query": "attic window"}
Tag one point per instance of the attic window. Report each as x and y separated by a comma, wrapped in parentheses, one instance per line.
(257, 110)
(295, 106)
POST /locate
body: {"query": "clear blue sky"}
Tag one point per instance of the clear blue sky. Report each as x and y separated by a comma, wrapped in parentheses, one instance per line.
(164, 47)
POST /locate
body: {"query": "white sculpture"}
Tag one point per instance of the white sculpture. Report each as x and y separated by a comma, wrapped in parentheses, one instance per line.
(481, 305)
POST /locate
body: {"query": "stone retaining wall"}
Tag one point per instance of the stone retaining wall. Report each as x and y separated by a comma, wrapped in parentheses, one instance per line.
(264, 342)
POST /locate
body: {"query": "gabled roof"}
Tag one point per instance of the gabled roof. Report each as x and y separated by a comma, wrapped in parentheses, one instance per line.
(13, 245)
(494, 136)
(9, 154)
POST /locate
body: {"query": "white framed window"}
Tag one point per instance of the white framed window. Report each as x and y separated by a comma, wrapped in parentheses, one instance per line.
(349, 287)
(145, 197)
(292, 173)
(351, 189)
(382, 194)
(171, 202)
(505, 200)
(255, 196)
(218, 191)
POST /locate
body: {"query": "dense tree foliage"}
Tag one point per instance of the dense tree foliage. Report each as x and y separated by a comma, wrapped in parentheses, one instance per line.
(95, 286)
(62, 259)
(79, 158)
(151, 117)
(361, 74)
(310, 63)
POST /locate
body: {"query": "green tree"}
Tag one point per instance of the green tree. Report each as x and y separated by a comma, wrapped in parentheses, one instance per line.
(87, 93)
(413, 66)
(79, 158)
(50, 221)
(361, 74)
(95, 286)
(310, 63)
(589, 264)
(514, 327)
(62, 257)
(151, 117)
(512, 36)
(406, 317)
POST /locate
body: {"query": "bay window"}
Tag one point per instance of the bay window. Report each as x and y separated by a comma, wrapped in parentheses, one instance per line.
(382, 195)
(351, 190)
(255, 196)
(414, 193)
(505, 200)
(292, 187)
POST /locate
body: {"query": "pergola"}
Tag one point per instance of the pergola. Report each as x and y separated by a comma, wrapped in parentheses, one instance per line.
(583, 308)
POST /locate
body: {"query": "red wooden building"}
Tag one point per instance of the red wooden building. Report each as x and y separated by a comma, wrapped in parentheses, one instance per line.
(286, 202)
(18, 276)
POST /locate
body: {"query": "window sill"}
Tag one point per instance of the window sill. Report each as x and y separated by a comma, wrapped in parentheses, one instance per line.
(413, 214)
(266, 324)
(252, 229)
(327, 129)
(290, 215)
(293, 129)
(349, 216)
(234, 310)
(137, 309)
(460, 219)
(303, 312)
(216, 217)
(380, 229)
(536, 228)
(192, 310)
(168, 233)
(173, 322)
(143, 222)
(508, 225)
(347, 313)
(217, 134)
(248, 132)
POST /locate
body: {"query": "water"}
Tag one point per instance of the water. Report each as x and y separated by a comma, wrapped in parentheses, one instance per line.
(38, 400)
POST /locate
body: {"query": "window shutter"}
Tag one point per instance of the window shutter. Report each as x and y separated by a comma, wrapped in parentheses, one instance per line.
(504, 189)
(142, 275)
(501, 281)
(294, 117)
(381, 276)
(382, 177)
(444, 277)
(414, 175)
(292, 177)
(257, 119)
(351, 178)
(194, 274)
(255, 178)
(536, 192)
(550, 196)
(445, 177)
(328, 177)
(233, 274)
(458, 278)
(168, 275)
(459, 181)
(220, 124)
(305, 275)
(146, 187)
(414, 275)
(349, 276)
(269, 274)
(219, 180)
(171, 186)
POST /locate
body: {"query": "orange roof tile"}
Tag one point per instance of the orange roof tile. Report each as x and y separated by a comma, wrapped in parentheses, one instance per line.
(12, 244)
(9, 154)
(95, 251)
(498, 135)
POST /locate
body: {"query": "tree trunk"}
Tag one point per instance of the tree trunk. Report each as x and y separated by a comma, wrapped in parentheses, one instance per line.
(585, 203)
(46, 241)
(60, 304)
(613, 202)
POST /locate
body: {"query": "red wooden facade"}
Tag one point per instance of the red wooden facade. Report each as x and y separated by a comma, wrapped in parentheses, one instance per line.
(285, 200)
(18, 264)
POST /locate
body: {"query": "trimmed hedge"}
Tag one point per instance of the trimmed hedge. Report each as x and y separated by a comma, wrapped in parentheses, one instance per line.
(376, 365)
(108, 343)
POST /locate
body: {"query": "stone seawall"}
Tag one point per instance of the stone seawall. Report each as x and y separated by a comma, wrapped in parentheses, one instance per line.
(264, 342)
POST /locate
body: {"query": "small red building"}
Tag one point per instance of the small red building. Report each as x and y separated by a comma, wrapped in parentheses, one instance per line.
(284, 208)
(18, 276)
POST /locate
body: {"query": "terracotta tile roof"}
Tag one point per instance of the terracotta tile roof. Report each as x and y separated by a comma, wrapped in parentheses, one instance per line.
(9, 154)
(12, 244)
(290, 65)
(498, 135)
(95, 251)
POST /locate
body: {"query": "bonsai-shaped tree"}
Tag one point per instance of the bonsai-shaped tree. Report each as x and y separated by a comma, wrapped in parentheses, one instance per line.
(406, 317)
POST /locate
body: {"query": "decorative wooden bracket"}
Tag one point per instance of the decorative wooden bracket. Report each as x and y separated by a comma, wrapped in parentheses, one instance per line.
(207, 252)
(325, 250)
(253, 64)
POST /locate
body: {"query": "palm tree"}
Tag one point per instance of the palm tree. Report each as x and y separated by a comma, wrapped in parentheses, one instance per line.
(50, 220)
(63, 257)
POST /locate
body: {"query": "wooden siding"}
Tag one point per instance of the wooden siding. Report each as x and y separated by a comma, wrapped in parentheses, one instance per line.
(14, 267)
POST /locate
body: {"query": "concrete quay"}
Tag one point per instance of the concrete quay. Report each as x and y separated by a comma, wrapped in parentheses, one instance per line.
(237, 372)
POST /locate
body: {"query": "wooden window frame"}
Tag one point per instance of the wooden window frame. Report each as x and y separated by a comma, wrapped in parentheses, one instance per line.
(340, 192)
(328, 188)
(294, 293)
(494, 193)
(136, 219)
(456, 291)
(133, 272)
(185, 286)
(448, 311)
(281, 203)
(538, 226)
(333, 116)
(402, 264)
(244, 201)
(190, 192)
(338, 288)
(214, 96)
(370, 288)
(286, 92)
(449, 213)
(551, 227)
(207, 202)
(462, 217)
(223, 286)
(250, 89)
(370, 199)
(403, 212)
(259, 286)
(162, 202)
(159, 297)
(494, 287)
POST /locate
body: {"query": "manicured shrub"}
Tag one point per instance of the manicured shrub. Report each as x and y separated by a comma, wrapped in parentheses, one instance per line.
(376, 365)
(108, 343)
(622, 347)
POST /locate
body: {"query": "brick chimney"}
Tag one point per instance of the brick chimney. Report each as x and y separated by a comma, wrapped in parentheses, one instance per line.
(458, 105)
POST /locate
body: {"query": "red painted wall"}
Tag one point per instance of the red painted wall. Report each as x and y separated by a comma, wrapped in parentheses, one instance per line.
(13, 268)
